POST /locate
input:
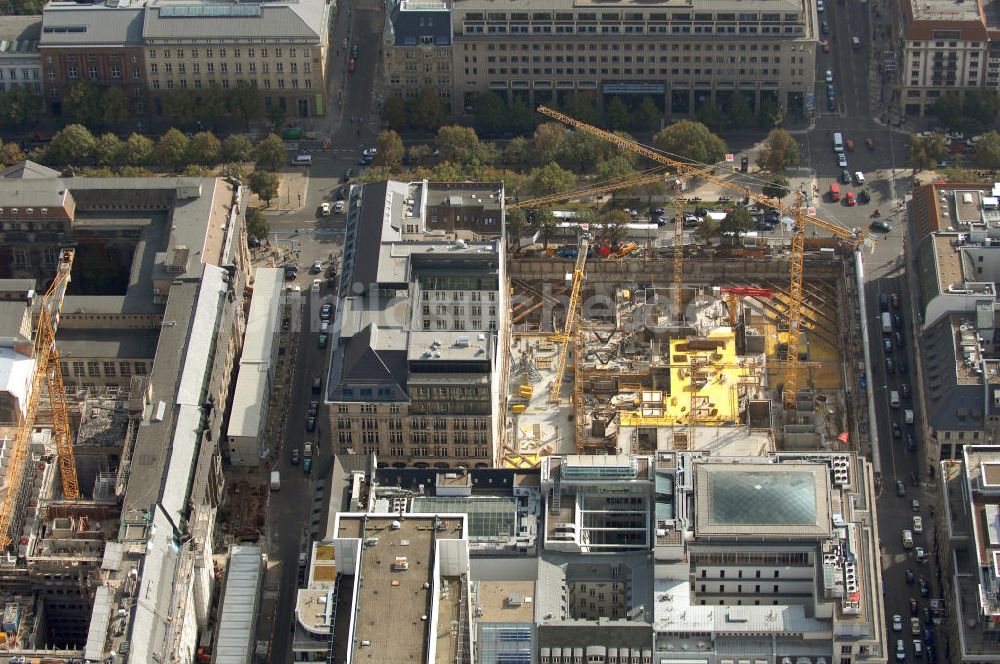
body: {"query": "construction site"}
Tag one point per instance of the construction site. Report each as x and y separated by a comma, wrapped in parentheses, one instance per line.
(636, 349)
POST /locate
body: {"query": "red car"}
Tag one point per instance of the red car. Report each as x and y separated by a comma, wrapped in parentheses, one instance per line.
(849, 199)
(350, 65)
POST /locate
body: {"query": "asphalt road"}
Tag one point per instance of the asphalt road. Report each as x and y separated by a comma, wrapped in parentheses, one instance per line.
(348, 125)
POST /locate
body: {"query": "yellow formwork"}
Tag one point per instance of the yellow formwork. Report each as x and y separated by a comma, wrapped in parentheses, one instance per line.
(703, 376)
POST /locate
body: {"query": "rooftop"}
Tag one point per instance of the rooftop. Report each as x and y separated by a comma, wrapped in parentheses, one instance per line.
(762, 500)
(314, 604)
(505, 601)
(19, 34)
(397, 565)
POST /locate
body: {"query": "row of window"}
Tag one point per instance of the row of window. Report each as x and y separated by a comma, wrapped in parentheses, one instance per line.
(637, 30)
(458, 310)
(237, 53)
(26, 74)
(396, 449)
(224, 84)
(637, 47)
(35, 87)
(417, 424)
(629, 71)
(93, 73)
(111, 369)
(265, 68)
(639, 59)
(346, 437)
(439, 295)
(631, 16)
(21, 257)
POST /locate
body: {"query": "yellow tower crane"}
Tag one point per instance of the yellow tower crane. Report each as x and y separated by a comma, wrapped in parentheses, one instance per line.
(46, 369)
(795, 295)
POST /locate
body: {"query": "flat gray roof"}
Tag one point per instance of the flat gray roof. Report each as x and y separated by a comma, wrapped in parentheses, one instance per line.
(392, 600)
(110, 343)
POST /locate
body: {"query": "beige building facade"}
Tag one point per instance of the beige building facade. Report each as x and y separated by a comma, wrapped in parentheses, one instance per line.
(279, 48)
(681, 57)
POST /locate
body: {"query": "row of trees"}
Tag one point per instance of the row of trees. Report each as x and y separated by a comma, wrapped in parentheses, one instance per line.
(975, 111)
(96, 108)
(75, 145)
(926, 151)
(493, 115)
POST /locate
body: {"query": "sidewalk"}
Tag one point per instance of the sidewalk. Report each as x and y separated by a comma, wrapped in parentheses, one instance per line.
(292, 194)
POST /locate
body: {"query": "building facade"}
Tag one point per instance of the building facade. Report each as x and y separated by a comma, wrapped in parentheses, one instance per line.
(970, 555)
(152, 47)
(419, 329)
(944, 47)
(99, 44)
(279, 49)
(681, 57)
(20, 62)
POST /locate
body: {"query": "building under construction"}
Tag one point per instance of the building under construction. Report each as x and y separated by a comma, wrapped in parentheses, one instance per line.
(640, 378)
(111, 408)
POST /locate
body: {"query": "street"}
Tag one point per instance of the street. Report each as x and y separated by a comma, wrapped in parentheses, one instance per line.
(349, 125)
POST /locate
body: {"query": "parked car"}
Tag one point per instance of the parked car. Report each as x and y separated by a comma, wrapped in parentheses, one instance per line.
(310, 424)
(904, 389)
(897, 623)
(890, 366)
(910, 576)
(911, 443)
(849, 199)
(896, 431)
(338, 207)
(829, 76)
(920, 554)
(369, 152)
(322, 340)
(325, 310)
(841, 160)
(351, 65)
(325, 209)
(316, 267)
(845, 176)
(904, 366)
(355, 52)
(864, 197)
(925, 591)
(881, 226)
(295, 456)
(900, 488)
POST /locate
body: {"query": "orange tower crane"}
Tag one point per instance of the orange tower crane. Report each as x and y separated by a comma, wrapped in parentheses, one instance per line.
(795, 295)
(46, 369)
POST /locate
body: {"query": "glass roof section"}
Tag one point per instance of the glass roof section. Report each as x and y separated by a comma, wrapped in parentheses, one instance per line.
(771, 498)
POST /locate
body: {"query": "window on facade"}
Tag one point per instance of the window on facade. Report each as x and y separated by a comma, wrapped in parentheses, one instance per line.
(93, 369)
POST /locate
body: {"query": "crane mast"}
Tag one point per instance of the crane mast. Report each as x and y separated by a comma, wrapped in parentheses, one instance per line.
(46, 369)
(798, 233)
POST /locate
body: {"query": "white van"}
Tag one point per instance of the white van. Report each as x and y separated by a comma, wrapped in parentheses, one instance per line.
(302, 160)
(859, 178)
(907, 539)
(908, 416)
(855, 42)
(894, 399)
(838, 143)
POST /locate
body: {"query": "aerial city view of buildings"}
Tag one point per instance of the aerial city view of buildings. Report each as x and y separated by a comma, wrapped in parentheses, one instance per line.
(451, 331)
